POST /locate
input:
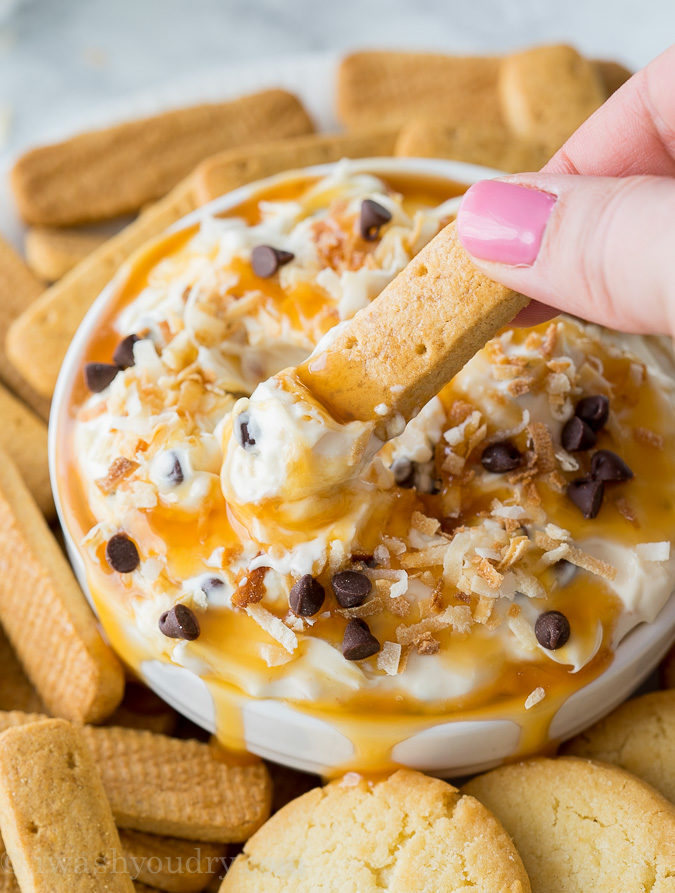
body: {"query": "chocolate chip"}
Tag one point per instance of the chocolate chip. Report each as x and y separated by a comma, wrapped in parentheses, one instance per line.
(306, 597)
(552, 630)
(174, 473)
(607, 466)
(593, 410)
(577, 435)
(124, 352)
(358, 642)
(364, 558)
(587, 495)
(179, 622)
(246, 432)
(211, 584)
(99, 375)
(266, 260)
(122, 554)
(351, 588)
(501, 457)
(404, 473)
(372, 219)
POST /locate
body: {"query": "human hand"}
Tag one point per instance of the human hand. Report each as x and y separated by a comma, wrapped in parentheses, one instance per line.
(592, 234)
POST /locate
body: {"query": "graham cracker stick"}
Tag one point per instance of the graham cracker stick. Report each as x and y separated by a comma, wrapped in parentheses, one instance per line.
(174, 787)
(105, 173)
(23, 436)
(45, 615)
(173, 865)
(547, 92)
(391, 87)
(18, 289)
(490, 143)
(398, 352)
(16, 691)
(228, 170)
(52, 252)
(612, 74)
(56, 822)
(38, 340)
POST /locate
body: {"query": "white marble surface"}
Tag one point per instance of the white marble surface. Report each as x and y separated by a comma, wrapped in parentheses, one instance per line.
(62, 61)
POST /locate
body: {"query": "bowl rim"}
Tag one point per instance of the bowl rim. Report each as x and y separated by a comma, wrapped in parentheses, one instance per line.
(634, 646)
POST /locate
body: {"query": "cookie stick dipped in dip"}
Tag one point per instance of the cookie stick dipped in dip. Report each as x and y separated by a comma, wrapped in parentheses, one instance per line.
(294, 449)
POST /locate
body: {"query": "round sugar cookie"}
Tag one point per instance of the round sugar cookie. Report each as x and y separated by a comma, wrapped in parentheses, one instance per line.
(582, 826)
(406, 834)
(639, 736)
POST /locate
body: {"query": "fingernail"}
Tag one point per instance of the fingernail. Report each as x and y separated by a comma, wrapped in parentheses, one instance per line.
(504, 222)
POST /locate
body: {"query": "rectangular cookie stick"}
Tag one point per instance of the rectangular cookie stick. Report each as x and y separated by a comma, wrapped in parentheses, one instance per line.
(23, 436)
(18, 289)
(46, 616)
(52, 252)
(173, 865)
(174, 787)
(229, 170)
(56, 823)
(38, 340)
(104, 173)
(16, 691)
(391, 87)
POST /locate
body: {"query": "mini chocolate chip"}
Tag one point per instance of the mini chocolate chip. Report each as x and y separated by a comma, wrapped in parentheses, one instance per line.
(404, 473)
(577, 435)
(174, 474)
(211, 584)
(552, 630)
(358, 642)
(351, 588)
(122, 554)
(99, 375)
(306, 597)
(124, 352)
(266, 260)
(364, 558)
(587, 495)
(372, 219)
(607, 466)
(501, 457)
(246, 433)
(179, 622)
(593, 410)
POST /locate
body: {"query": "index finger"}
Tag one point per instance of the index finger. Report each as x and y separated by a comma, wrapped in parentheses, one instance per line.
(632, 133)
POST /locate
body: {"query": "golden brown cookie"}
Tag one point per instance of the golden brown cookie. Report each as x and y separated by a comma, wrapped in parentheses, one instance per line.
(406, 833)
(46, 616)
(582, 826)
(105, 173)
(173, 865)
(398, 352)
(172, 787)
(38, 339)
(23, 436)
(547, 92)
(16, 690)
(52, 252)
(229, 170)
(391, 87)
(639, 736)
(55, 819)
(612, 74)
(485, 142)
(18, 289)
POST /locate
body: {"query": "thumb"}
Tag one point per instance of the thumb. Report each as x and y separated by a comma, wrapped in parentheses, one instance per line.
(600, 248)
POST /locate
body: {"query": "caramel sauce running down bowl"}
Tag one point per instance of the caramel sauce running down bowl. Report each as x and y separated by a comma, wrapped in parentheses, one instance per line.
(327, 738)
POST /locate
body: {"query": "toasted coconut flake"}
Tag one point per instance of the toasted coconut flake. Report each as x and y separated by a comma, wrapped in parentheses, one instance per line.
(589, 563)
(517, 547)
(653, 551)
(557, 533)
(552, 556)
(273, 626)
(499, 510)
(427, 644)
(626, 510)
(389, 658)
(456, 616)
(489, 573)
(337, 556)
(381, 555)
(251, 589)
(514, 610)
(429, 557)
(528, 584)
(648, 437)
(400, 587)
(506, 433)
(566, 460)
(549, 341)
(483, 609)
(460, 412)
(424, 524)
(120, 469)
(453, 464)
(506, 371)
(274, 656)
(394, 545)
(535, 697)
(520, 386)
(373, 605)
(542, 444)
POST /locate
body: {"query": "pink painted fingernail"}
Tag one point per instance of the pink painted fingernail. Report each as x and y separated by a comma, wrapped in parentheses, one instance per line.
(504, 222)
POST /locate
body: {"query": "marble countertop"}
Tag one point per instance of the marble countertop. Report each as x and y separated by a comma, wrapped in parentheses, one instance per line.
(60, 59)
